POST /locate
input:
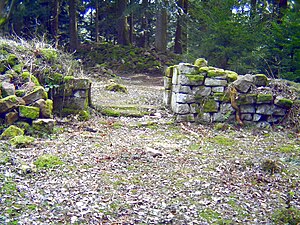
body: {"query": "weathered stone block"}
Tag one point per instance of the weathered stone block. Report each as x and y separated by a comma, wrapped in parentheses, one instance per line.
(167, 97)
(185, 98)
(202, 91)
(256, 117)
(247, 109)
(181, 108)
(71, 103)
(46, 107)
(265, 109)
(81, 94)
(226, 108)
(38, 93)
(218, 117)
(186, 68)
(77, 83)
(283, 102)
(246, 116)
(201, 62)
(264, 98)
(203, 118)
(278, 111)
(195, 108)
(260, 80)
(29, 112)
(167, 83)
(246, 99)
(10, 102)
(11, 132)
(221, 97)
(217, 89)
(171, 71)
(243, 83)
(195, 80)
(215, 82)
(43, 126)
(7, 89)
(181, 89)
(11, 117)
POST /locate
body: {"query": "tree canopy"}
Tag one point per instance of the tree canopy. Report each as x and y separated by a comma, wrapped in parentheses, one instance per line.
(248, 36)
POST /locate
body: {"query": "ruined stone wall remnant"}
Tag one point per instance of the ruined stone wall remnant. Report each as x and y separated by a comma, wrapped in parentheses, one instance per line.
(204, 94)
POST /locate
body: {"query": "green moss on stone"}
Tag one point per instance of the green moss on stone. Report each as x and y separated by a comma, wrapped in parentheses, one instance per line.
(27, 76)
(246, 99)
(23, 125)
(216, 72)
(284, 102)
(203, 69)
(222, 97)
(21, 141)
(260, 80)
(12, 59)
(264, 98)
(116, 88)
(29, 112)
(231, 76)
(18, 68)
(49, 54)
(210, 105)
(195, 78)
(11, 132)
(49, 106)
(20, 93)
(201, 62)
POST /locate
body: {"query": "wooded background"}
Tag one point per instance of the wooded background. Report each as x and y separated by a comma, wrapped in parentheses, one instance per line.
(247, 36)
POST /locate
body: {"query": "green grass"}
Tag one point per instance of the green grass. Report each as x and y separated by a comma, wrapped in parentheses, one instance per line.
(47, 161)
(224, 141)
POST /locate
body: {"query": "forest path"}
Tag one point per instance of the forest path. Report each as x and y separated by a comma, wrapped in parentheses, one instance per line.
(144, 97)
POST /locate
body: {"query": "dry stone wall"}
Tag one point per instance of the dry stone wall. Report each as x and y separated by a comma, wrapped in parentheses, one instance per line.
(199, 93)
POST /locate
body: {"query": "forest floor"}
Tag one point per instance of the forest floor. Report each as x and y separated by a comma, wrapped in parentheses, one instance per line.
(150, 170)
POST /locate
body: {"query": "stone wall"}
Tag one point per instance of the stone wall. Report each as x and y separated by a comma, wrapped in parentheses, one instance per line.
(72, 97)
(198, 93)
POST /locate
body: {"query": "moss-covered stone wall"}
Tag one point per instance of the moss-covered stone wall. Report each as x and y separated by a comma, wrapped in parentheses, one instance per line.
(204, 94)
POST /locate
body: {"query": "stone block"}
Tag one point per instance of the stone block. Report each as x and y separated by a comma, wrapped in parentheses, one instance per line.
(243, 83)
(210, 105)
(195, 80)
(256, 117)
(77, 83)
(218, 117)
(202, 91)
(167, 97)
(181, 89)
(171, 71)
(203, 118)
(181, 108)
(187, 68)
(36, 94)
(11, 117)
(29, 112)
(7, 89)
(175, 79)
(264, 98)
(226, 108)
(265, 109)
(217, 89)
(247, 109)
(246, 99)
(43, 126)
(167, 83)
(80, 94)
(10, 102)
(283, 102)
(46, 107)
(278, 111)
(184, 98)
(246, 116)
(215, 82)
(260, 80)
(221, 97)
(201, 62)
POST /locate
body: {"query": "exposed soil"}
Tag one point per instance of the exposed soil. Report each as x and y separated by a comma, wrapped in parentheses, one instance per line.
(150, 170)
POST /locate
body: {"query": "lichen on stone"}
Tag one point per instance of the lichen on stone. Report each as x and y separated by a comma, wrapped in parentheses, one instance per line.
(21, 141)
(29, 112)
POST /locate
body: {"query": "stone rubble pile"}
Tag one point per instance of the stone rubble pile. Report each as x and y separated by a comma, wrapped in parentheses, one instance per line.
(204, 94)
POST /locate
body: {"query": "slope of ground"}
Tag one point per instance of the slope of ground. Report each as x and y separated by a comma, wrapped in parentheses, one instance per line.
(150, 170)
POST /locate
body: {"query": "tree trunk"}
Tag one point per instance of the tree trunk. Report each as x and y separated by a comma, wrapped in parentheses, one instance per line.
(161, 30)
(144, 25)
(122, 26)
(253, 8)
(181, 28)
(97, 21)
(54, 21)
(73, 26)
(282, 6)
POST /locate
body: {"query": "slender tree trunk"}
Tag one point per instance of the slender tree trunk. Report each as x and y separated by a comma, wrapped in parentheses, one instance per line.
(122, 26)
(161, 30)
(73, 26)
(144, 25)
(97, 21)
(131, 28)
(282, 6)
(181, 28)
(54, 21)
(253, 8)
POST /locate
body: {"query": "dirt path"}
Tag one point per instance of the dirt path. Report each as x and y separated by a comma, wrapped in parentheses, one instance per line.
(150, 170)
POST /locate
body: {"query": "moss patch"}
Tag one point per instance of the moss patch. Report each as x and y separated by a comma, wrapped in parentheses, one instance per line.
(210, 105)
(195, 78)
(264, 98)
(47, 161)
(21, 141)
(11, 132)
(29, 112)
(116, 88)
(28, 76)
(49, 54)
